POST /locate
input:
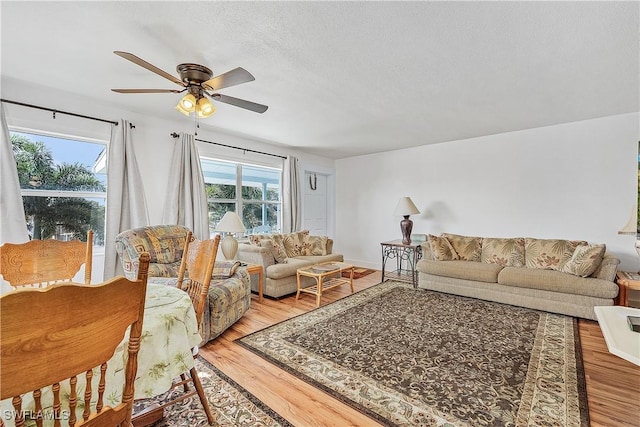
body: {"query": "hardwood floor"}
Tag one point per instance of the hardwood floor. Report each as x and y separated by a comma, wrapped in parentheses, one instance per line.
(613, 384)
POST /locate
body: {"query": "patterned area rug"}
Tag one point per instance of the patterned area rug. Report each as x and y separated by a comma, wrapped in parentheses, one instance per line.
(231, 405)
(409, 356)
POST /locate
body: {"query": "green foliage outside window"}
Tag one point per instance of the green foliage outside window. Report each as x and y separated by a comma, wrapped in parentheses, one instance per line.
(48, 216)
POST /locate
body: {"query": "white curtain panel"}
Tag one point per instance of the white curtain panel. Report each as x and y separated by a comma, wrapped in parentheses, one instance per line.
(291, 196)
(13, 225)
(126, 203)
(186, 202)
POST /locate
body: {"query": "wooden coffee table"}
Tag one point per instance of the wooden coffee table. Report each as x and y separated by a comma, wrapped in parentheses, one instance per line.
(328, 275)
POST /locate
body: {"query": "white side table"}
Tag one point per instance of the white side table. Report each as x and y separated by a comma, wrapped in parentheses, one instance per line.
(620, 339)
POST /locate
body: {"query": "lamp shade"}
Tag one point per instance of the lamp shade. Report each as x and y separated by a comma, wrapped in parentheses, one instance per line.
(405, 207)
(231, 223)
(631, 227)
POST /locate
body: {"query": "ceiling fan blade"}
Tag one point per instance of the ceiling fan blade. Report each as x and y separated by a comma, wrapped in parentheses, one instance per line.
(247, 105)
(148, 90)
(230, 78)
(141, 62)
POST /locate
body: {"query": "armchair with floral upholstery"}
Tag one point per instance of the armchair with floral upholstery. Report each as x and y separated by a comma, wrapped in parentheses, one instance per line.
(230, 289)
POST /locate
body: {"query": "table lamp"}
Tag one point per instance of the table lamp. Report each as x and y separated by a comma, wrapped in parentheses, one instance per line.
(631, 228)
(405, 208)
(230, 223)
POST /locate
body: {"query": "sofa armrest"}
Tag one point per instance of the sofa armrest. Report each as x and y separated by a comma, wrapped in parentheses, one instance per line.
(329, 246)
(253, 254)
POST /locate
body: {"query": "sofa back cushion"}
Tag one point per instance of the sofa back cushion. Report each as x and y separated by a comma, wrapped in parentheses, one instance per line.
(585, 260)
(504, 252)
(468, 248)
(441, 249)
(549, 254)
(291, 245)
(277, 250)
(315, 245)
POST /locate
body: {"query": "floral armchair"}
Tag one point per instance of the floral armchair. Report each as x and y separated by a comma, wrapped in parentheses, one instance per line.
(230, 290)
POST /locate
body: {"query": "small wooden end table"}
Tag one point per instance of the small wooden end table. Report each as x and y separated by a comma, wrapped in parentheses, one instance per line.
(324, 274)
(257, 269)
(626, 281)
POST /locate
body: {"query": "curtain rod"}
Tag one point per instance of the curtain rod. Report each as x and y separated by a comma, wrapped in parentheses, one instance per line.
(175, 135)
(54, 111)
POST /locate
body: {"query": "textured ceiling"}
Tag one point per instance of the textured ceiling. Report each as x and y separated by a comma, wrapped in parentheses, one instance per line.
(345, 78)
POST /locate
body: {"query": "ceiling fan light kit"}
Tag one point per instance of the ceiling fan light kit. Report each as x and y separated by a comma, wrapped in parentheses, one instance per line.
(197, 80)
(204, 108)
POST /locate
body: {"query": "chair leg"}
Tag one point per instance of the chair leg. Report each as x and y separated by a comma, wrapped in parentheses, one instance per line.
(203, 399)
(183, 377)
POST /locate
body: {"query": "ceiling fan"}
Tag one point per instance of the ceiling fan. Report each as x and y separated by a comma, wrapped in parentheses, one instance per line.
(200, 86)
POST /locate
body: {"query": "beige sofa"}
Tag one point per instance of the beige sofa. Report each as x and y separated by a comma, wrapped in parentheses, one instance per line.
(281, 255)
(560, 276)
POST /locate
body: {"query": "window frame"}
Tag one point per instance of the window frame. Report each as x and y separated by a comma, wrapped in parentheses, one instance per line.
(239, 200)
(33, 192)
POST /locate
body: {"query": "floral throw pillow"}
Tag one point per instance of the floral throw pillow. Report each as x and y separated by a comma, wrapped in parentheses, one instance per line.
(294, 244)
(468, 248)
(504, 252)
(585, 260)
(550, 254)
(277, 250)
(315, 245)
(441, 249)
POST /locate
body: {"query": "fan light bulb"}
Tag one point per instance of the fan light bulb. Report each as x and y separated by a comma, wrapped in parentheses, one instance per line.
(188, 102)
(205, 108)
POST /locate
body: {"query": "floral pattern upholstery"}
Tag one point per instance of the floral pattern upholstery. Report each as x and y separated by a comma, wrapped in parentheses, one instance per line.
(441, 249)
(290, 245)
(468, 248)
(504, 252)
(230, 289)
(585, 260)
(164, 243)
(550, 254)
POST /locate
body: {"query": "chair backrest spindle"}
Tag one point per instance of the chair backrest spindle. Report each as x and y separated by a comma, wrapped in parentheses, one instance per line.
(198, 260)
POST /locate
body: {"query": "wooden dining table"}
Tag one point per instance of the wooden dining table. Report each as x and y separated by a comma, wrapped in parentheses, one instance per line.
(169, 335)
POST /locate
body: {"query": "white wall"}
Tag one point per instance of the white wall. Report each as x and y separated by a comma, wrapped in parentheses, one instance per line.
(573, 181)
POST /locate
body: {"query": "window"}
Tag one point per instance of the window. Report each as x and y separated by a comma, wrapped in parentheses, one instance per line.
(252, 191)
(63, 186)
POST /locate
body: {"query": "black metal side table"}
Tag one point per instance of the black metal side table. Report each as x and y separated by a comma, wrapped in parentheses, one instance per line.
(406, 256)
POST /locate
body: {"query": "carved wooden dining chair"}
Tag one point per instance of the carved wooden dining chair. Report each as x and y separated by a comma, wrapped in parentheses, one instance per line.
(40, 263)
(198, 261)
(77, 331)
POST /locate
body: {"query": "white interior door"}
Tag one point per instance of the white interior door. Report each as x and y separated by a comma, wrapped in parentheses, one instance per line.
(315, 204)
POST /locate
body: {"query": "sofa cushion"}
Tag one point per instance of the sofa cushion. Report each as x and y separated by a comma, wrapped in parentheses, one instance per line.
(504, 252)
(550, 254)
(556, 281)
(315, 245)
(441, 249)
(279, 255)
(585, 260)
(468, 248)
(279, 271)
(468, 270)
(317, 259)
(294, 243)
